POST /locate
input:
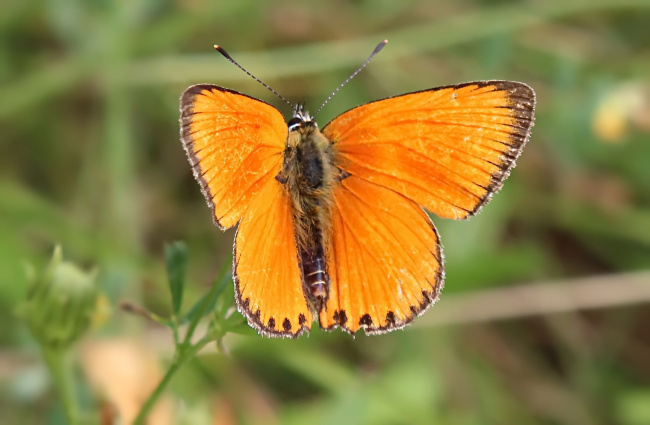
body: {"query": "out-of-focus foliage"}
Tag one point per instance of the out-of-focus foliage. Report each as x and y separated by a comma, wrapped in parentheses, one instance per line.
(90, 158)
(60, 303)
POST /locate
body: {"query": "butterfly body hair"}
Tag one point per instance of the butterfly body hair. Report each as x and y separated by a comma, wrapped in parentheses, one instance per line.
(309, 175)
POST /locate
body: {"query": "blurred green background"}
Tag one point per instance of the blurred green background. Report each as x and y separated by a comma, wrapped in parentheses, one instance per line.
(90, 158)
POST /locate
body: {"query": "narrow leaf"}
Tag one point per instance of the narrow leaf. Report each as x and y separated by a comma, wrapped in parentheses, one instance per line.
(176, 258)
(206, 303)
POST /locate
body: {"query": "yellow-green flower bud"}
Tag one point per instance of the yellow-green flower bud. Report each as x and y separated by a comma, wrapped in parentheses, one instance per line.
(60, 303)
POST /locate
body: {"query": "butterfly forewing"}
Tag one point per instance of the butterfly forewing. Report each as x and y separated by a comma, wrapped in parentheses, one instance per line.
(235, 145)
(448, 149)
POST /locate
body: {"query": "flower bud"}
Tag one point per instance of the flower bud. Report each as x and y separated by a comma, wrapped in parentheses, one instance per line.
(60, 302)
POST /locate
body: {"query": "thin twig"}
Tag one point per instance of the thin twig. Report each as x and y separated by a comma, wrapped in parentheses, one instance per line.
(564, 296)
(603, 291)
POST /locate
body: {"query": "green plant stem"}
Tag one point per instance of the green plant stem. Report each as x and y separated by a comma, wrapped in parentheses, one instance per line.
(195, 320)
(184, 352)
(56, 359)
(174, 321)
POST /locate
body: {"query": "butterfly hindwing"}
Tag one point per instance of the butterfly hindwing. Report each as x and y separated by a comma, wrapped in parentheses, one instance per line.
(268, 279)
(384, 259)
(448, 149)
(234, 144)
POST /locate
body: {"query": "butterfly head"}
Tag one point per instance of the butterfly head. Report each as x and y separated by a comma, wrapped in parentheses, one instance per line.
(300, 119)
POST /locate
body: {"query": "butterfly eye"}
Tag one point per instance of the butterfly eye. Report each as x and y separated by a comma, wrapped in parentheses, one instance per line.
(294, 122)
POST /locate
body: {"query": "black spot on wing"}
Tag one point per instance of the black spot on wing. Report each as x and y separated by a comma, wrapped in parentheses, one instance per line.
(286, 324)
(390, 319)
(265, 329)
(365, 320)
(343, 318)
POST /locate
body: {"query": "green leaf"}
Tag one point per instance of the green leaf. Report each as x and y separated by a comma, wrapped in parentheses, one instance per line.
(206, 304)
(237, 324)
(634, 407)
(225, 300)
(176, 258)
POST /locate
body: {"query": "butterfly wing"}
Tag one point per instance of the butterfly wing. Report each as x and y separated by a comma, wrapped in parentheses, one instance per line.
(384, 260)
(268, 280)
(448, 149)
(234, 144)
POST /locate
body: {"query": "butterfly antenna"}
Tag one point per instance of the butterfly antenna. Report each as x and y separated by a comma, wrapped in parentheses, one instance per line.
(372, 55)
(227, 56)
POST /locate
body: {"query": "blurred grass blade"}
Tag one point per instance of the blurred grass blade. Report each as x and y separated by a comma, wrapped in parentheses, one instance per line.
(176, 259)
(225, 300)
(206, 303)
(237, 324)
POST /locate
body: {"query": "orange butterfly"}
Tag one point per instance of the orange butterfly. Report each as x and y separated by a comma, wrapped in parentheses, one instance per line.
(331, 222)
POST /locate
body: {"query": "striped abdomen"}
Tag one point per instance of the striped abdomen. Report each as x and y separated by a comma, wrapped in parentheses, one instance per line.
(307, 174)
(313, 268)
